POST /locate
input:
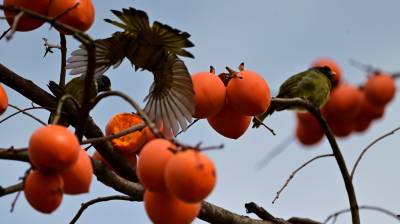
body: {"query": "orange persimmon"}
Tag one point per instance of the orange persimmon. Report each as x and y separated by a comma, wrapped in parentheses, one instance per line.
(229, 123)
(248, 93)
(307, 135)
(151, 164)
(344, 103)
(190, 175)
(210, 94)
(332, 65)
(166, 209)
(78, 177)
(131, 142)
(80, 17)
(3, 100)
(27, 23)
(43, 191)
(380, 88)
(53, 147)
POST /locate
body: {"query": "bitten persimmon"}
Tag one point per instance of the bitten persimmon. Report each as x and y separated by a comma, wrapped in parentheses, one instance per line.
(380, 88)
(43, 191)
(131, 142)
(337, 71)
(78, 177)
(344, 103)
(151, 164)
(190, 175)
(80, 17)
(166, 209)
(210, 94)
(248, 93)
(53, 147)
(229, 123)
(3, 100)
(27, 23)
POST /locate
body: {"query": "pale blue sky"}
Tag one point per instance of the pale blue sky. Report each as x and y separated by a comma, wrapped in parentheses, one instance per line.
(275, 38)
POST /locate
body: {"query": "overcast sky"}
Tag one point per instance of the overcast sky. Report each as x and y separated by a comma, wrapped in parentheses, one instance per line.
(275, 38)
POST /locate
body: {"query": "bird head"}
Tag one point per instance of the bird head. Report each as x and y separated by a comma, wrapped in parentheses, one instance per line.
(328, 72)
(103, 83)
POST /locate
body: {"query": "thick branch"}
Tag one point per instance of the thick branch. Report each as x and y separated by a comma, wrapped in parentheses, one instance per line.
(11, 189)
(33, 92)
(297, 102)
(12, 154)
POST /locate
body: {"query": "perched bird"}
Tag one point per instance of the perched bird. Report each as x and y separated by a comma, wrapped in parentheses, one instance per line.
(155, 48)
(313, 85)
(76, 88)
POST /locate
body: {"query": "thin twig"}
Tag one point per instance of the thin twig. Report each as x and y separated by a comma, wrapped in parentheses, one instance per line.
(263, 214)
(11, 189)
(365, 207)
(275, 152)
(369, 146)
(190, 125)
(294, 173)
(21, 111)
(131, 129)
(264, 125)
(136, 106)
(364, 67)
(85, 205)
(48, 48)
(14, 202)
(63, 43)
(28, 114)
(65, 12)
(16, 20)
(5, 33)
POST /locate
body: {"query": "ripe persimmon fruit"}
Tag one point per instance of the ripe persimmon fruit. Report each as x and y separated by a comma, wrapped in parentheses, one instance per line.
(340, 128)
(229, 122)
(80, 17)
(3, 100)
(337, 71)
(77, 178)
(131, 142)
(190, 175)
(248, 93)
(308, 136)
(151, 164)
(209, 92)
(43, 191)
(380, 88)
(344, 103)
(53, 147)
(166, 209)
(27, 23)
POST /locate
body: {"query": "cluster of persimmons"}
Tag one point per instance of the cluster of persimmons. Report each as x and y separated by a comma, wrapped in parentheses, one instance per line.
(176, 178)
(350, 108)
(78, 14)
(230, 100)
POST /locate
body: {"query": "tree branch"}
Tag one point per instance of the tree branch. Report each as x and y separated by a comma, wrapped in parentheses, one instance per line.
(85, 205)
(365, 207)
(298, 102)
(11, 189)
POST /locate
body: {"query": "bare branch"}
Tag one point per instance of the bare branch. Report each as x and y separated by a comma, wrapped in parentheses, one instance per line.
(16, 20)
(85, 205)
(11, 189)
(131, 129)
(14, 154)
(63, 45)
(298, 102)
(28, 114)
(368, 147)
(262, 213)
(363, 207)
(22, 111)
(294, 173)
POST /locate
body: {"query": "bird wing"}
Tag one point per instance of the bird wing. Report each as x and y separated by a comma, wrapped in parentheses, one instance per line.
(136, 23)
(109, 52)
(170, 101)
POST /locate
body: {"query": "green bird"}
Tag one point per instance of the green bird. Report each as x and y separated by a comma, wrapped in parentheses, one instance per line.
(155, 48)
(313, 85)
(75, 88)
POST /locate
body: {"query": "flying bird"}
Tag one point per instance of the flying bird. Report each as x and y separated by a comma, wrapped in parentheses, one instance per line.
(155, 48)
(313, 85)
